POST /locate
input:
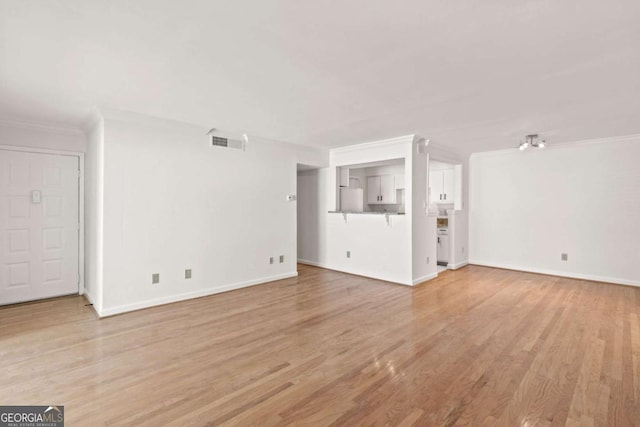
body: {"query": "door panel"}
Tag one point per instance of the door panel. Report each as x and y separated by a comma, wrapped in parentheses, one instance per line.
(435, 186)
(373, 190)
(39, 204)
(448, 185)
(387, 189)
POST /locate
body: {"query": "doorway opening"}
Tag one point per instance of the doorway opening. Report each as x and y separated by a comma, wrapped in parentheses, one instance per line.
(311, 210)
(445, 198)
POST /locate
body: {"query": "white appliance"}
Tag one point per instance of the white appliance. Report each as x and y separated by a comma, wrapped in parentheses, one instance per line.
(351, 200)
(443, 246)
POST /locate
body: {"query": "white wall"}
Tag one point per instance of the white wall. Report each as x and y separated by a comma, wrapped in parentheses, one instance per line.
(94, 209)
(529, 207)
(172, 202)
(424, 237)
(24, 134)
(458, 238)
(379, 249)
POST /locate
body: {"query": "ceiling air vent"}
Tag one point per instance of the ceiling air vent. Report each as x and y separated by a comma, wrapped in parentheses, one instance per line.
(226, 140)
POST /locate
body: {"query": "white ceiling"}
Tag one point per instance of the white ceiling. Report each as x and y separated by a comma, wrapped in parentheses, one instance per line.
(473, 75)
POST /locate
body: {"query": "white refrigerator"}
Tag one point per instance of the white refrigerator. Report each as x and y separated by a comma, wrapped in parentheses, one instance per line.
(351, 199)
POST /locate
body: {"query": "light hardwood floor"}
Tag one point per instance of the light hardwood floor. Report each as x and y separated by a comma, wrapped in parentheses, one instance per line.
(478, 346)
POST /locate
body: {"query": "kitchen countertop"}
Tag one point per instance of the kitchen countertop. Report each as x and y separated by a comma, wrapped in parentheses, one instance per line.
(368, 213)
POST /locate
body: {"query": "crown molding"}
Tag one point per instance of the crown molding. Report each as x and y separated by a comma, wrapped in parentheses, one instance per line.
(569, 144)
(46, 127)
(106, 114)
(374, 144)
(444, 153)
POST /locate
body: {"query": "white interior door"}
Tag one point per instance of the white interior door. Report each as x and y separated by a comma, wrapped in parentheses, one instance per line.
(39, 225)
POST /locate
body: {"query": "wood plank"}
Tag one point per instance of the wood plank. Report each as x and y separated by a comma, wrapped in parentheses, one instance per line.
(476, 346)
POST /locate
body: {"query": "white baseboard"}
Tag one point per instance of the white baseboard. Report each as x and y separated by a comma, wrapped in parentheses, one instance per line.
(357, 273)
(570, 275)
(189, 295)
(457, 266)
(313, 263)
(425, 278)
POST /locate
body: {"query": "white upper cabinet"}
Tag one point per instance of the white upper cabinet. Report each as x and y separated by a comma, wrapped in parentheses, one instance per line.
(387, 189)
(381, 190)
(441, 186)
(373, 190)
(448, 185)
(435, 187)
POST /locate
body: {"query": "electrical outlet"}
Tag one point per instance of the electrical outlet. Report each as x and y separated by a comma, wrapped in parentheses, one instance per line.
(427, 260)
(155, 278)
(463, 249)
(564, 257)
(187, 273)
(281, 259)
(270, 260)
(348, 254)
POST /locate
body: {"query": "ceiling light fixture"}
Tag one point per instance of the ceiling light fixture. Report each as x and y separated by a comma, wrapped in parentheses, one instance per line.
(532, 141)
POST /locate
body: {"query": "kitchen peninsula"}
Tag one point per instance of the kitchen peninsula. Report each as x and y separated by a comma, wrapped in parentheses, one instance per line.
(368, 212)
(373, 215)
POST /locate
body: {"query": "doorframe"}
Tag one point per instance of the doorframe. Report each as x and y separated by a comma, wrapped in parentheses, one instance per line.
(80, 156)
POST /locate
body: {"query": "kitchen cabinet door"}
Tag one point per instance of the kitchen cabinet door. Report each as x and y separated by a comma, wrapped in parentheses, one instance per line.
(435, 187)
(387, 189)
(443, 248)
(373, 190)
(448, 185)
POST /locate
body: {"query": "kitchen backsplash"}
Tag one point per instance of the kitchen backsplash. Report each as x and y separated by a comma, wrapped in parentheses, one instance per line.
(386, 208)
